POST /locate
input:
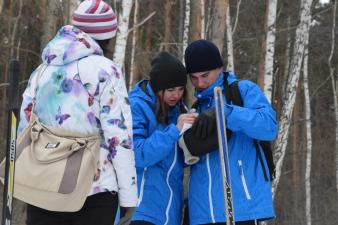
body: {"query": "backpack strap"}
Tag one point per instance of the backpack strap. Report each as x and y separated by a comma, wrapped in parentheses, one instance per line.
(259, 153)
(236, 99)
(226, 87)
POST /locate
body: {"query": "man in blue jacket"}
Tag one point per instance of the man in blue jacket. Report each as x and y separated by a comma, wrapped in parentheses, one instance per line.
(256, 120)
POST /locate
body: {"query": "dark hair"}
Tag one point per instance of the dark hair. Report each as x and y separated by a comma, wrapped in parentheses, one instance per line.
(104, 46)
(162, 108)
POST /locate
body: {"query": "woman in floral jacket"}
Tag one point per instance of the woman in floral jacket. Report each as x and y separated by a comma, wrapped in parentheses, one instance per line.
(81, 91)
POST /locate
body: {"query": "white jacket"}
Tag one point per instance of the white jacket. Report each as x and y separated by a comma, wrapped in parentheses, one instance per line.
(81, 90)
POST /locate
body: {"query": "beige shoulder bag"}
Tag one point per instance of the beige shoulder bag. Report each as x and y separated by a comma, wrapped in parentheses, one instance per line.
(54, 168)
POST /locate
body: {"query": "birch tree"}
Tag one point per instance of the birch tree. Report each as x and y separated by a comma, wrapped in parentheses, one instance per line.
(186, 25)
(133, 47)
(333, 83)
(308, 132)
(266, 74)
(230, 46)
(203, 19)
(122, 33)
(295, 66)
(287, 56)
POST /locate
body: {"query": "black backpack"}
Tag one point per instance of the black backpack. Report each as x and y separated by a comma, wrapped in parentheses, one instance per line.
(232, 92)
(233, 95)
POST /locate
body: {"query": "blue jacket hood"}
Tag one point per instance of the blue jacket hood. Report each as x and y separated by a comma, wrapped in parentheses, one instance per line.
(139, 93)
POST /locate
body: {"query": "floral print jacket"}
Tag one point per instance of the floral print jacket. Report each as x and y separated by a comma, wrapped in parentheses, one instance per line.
(82, 91)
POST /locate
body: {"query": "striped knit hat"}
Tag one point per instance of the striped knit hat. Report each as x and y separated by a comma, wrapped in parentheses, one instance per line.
(96, 18)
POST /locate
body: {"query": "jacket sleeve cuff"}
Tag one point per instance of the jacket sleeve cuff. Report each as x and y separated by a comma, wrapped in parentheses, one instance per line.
(173, 132)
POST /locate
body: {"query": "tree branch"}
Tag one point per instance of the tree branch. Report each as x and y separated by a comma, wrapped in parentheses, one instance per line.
(141, 23)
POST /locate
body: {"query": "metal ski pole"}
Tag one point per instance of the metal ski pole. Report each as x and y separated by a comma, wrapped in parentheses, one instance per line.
(223, 154)
(7, 205)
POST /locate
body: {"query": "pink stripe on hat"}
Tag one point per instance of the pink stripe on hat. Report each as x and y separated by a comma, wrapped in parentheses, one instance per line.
(91, 19)
(105, 9)
(96, 18)
(93, 7)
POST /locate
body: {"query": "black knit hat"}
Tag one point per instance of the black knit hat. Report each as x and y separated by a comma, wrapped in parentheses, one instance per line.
(202, 55)
(166, 72)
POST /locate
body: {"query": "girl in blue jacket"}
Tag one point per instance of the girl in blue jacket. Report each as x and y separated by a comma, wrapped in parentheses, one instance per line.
(157, 120)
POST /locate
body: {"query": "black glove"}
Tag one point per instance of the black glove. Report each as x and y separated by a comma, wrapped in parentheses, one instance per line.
(205, 124)
(126, 214)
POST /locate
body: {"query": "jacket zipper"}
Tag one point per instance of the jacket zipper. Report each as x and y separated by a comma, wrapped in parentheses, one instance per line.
(142, 186)
(245, 186)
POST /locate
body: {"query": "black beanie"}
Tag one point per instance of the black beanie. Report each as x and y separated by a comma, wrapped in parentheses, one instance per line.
(201, 56)
(166, 72)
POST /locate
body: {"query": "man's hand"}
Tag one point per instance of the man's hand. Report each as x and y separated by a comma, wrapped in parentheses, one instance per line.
(204, 124)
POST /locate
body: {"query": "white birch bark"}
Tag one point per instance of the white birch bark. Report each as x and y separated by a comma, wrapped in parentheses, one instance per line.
(133, 47)
(291, 90)
(122, 33)
(333, 82)
(230, 47)
(270, 48)
(287, 56)
(186, 26)
(202, 19)
(308, 134)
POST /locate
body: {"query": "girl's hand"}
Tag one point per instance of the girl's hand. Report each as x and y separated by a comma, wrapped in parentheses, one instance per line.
(188, 118)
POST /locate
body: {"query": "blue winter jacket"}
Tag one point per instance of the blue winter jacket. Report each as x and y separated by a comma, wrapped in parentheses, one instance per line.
(252, 198)
(159, 162)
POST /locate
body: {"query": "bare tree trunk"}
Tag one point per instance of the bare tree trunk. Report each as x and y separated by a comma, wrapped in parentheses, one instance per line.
(167, 25)
(308, 136)
(15, 29)
(1, 5)
(186, 25)
(196, 31)
(333, 82)
(287, 57)
(234, 28)
(122, 33)
(202, 19)
(69, 7)
(230, 46)
(196, 18)
(181, 12)
(133, 47)
(208, 18)
(286, 114)
(266, 75)
(217, 31)
(50, 21)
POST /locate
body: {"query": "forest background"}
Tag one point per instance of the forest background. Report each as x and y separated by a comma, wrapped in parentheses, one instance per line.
(289, 47)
